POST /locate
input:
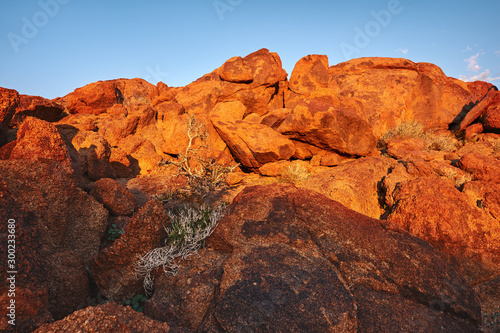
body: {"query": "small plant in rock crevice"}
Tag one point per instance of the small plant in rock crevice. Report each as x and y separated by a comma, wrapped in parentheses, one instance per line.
(114, 232)
(137, 302)
(491, 321)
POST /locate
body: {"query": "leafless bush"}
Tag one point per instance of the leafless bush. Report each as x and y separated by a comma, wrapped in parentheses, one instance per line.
(186, 235)
(204, 175)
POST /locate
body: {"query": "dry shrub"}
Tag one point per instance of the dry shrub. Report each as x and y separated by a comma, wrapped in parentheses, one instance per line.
(295, 173)
(407, 130)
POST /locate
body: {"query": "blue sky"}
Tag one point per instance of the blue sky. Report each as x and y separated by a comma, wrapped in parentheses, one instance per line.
(51, 47)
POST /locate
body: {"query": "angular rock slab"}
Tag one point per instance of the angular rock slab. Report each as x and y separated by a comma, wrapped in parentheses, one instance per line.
(318, 123)
(253, 145)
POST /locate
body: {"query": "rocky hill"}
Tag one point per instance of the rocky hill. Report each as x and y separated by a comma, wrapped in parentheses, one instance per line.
(362, 197)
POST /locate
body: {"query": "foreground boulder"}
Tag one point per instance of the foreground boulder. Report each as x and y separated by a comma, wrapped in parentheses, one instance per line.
(109, 317)
(29, 289)
(287, 259)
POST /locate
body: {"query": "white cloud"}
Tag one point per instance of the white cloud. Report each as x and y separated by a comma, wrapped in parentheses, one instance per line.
(484, 76)
(467, 49)
(472, 63)
(402, 50)
(473, 66)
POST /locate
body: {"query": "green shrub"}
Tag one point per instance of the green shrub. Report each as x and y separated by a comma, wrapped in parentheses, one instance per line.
(114, 232)
(137, 302)
(491, 321)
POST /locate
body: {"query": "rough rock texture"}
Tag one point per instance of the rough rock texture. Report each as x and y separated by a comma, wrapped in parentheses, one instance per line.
(355, 184)
(394, 90)
(9, 99)
(254, 145)
(235, 70)
(38, 107)
(68, 283)
(301, 262)
(96, 97)
(489, 103)
(40, 140)
(481, 167)
(449, 220)
(319, 123)
(30, 286)
(95, 153)
(114, 196)
(69, 219)
(188, 298)
(109, 317)
(113, 269)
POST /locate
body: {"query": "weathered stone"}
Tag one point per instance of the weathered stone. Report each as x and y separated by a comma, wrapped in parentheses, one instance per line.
(9, 99)
(97, 97)
(481, 167)
(69, 219)
(114, 268)
(354, 184)
(29, 287)
(446, 218)
(68, 283)
(109, 317)
(38, 107)
(235, 70)
(320, 124)
(395, 90)
(303, 262)
(40, 140)
(491, 99)
(253, 145)
(114, 196)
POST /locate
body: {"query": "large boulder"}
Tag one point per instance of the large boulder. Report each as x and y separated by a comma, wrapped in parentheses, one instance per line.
(38, 107)
(355, 184)
(394, 90)
(293, 260)
(114, 196)
(482, 167)
(260, 94)
(24, 286)
(253, 145)
(9, 100)
(320, 123)
(435, 210)
(40, 140)
(97, 97)
(69, 219)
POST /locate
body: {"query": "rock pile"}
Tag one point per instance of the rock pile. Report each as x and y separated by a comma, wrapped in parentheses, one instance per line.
(391, 223)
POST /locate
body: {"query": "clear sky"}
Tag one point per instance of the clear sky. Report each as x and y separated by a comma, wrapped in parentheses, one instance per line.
(51, 47)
